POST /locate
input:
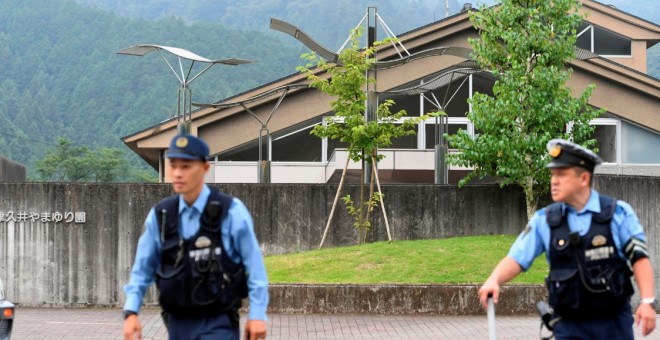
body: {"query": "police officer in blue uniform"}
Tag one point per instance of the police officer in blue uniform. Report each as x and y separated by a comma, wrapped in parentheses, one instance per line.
(200, 248)
(591, 241)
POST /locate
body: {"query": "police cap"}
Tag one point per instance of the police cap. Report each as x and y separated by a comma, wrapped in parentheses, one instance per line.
(565, 154)
(188, 147)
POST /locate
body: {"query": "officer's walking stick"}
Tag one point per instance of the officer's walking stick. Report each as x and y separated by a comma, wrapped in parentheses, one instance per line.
(491, 318)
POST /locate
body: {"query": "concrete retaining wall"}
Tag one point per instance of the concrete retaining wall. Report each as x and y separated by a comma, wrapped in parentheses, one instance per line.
(629, 170)
(11, 172)
(399, 299)
(53, 254)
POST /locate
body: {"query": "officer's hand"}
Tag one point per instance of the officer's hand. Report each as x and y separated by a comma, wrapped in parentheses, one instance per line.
(255, 330)
(132, 328)
(490, 287)
(646, 315)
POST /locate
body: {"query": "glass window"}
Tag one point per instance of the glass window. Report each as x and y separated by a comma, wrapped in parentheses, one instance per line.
(639, 145)
(246, 153)
(609, 43)
(408, 103)
(405, 142)
(430, 133)
(299, 146)
(458, 105)
(605, 136)
(335, 144)
(584, 39)
(605, 42)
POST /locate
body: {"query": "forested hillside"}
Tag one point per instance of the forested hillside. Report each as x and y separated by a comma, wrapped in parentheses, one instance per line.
(61, 76)
(328, 21)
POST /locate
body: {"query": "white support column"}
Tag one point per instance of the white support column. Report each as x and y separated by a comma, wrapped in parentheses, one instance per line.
(619, 138)
(270, 147)
(161, 167)
(421, 127)
(470, 126)
(324, 144)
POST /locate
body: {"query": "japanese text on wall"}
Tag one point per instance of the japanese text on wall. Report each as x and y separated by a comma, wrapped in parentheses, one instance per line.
(45, 217)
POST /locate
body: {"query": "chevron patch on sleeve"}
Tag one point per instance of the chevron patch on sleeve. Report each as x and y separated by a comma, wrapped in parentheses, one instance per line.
(635, 249)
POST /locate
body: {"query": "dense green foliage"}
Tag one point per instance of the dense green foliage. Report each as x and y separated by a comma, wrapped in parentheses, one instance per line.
(70, 163)
(458, 260)
(526, 45)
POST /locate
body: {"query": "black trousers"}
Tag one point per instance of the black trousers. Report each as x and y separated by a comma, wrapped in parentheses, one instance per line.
(203, 328)
(619, 326)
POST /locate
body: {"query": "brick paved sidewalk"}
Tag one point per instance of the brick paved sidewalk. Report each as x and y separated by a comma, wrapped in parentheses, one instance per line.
(57, 323)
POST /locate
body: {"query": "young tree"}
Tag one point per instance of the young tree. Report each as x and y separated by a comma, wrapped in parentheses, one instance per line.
(526, 44)
(348, 83)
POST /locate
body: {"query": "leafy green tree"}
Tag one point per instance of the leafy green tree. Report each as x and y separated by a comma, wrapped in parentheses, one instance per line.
(70, 163)
(348, 83)
(63, 163)
(526, 44)
(139, 175)
(106, 164)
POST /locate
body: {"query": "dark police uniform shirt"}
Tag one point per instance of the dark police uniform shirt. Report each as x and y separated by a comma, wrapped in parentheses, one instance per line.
(535, 239)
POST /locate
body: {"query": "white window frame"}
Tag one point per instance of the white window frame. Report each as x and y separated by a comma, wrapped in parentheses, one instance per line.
(617, 124)
(450, 121)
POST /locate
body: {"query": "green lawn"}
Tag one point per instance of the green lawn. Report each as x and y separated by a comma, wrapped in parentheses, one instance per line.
(452, 260)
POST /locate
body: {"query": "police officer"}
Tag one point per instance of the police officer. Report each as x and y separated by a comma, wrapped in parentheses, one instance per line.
(200, 248)
(590, 241)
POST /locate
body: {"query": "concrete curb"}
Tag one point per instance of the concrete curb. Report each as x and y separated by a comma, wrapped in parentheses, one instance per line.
(399, 299)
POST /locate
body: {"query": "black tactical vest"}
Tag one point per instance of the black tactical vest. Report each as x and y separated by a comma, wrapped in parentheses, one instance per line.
(587, 276)
(196, 277)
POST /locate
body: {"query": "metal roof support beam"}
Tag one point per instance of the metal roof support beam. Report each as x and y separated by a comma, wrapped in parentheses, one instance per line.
(263, 174)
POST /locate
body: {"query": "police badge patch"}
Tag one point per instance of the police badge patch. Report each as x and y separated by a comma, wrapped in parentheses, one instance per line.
(598, 240)
(202, 242)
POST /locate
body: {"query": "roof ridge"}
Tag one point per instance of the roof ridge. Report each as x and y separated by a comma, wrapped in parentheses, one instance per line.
(627, 13)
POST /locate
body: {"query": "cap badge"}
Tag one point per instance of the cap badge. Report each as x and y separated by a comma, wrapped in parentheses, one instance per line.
(555, 151)
(181, 142)
(598, 240)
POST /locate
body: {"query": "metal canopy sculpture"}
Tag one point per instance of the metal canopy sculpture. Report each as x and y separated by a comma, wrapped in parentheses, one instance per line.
(463, 70)
(184, 109)
(460, 72)
(304, 38)
(332, 57)
(264, 165)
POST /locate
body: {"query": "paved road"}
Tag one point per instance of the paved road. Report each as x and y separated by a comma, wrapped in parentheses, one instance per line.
(56, 323)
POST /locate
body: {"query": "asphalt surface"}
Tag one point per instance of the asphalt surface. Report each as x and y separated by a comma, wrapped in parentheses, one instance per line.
(78, 323)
